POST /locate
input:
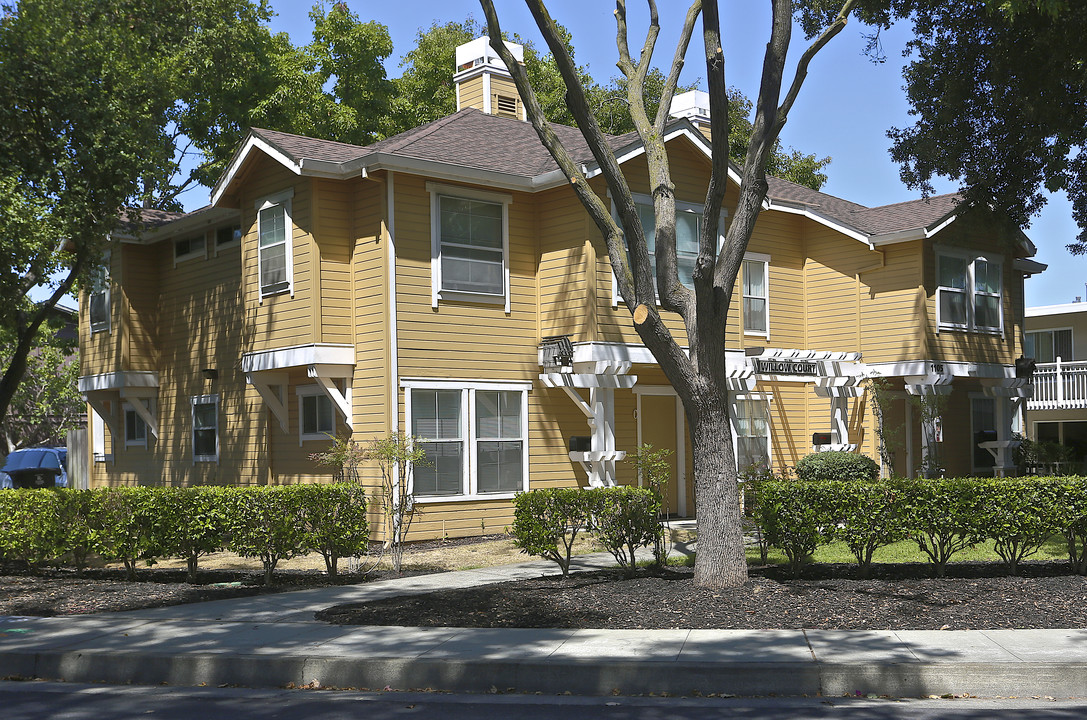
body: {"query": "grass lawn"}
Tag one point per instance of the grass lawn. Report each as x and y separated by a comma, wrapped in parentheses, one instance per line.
(906, 552)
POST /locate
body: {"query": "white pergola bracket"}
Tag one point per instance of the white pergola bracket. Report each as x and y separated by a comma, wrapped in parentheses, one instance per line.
(263, 382)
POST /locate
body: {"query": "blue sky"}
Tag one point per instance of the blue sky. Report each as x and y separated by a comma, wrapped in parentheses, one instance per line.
(844, 110)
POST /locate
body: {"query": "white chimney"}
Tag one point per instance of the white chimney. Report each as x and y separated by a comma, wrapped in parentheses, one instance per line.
(484, 82)
(695, 106)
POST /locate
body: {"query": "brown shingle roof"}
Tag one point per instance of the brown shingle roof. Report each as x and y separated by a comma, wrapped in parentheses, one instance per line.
(475, 140)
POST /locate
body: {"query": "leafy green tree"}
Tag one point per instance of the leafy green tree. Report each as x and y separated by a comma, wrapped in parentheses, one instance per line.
(46, 404)
(84, 89)
(998, 90)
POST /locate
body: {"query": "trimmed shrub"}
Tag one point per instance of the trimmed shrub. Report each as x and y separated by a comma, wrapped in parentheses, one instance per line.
(547, 521)
(869, 515)
(796, 517)
(941, 516)
(80, 524)
(190, 522)
(335, 521)
(837, 465)
(1072, 518)
(1019, 514)
(266, 523)
(623, 520)
(29, 525)
(128, 525)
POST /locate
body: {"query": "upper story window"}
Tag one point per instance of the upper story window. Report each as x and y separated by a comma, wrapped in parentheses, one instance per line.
(98, 298)
(756, 294)
(205, 428)
(227, 234)
(475, 438)
(688, 227)
(274, 244)
(470, 246)
(968, 295)
(1045, 346)
(188, 248)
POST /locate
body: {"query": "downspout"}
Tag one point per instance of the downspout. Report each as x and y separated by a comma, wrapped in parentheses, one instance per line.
(394, 365)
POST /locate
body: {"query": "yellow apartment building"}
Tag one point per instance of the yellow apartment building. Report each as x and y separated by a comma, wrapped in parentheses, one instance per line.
(1056, 337)
(447, 283)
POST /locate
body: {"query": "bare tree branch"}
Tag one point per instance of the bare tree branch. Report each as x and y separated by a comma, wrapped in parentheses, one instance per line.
(802, 67)
(677, 65)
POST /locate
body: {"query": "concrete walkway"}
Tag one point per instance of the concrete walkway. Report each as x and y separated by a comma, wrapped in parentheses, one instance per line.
(273, 640)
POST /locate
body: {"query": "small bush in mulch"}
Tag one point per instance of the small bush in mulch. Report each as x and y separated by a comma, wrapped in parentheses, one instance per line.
(894, 597)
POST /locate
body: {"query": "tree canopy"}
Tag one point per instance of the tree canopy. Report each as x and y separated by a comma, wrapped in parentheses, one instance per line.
(998, 90)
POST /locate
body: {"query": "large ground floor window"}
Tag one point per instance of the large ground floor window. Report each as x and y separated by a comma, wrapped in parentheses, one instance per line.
(751, 426)
(475, 436)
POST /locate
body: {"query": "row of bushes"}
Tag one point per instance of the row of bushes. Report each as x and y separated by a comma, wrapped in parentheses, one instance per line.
(943, 516)
(546, 522)
(143, 524)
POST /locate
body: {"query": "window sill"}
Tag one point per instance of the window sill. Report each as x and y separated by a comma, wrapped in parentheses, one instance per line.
(971, 330)
(205, 459)
(757, 333)
(190, 256)
(99, 329)
(430, 499)
(310, 437)
(471, 297)
(274, 290)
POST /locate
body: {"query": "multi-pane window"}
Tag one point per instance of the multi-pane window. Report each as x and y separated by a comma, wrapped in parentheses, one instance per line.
(135, 428)
(98, 299)
(227, 234)
(752, 424)
(969, 293)
(436, 420)
(474, 440)
(499, 441)
(273, 226)
(471, 245)
(317, 416)
(686, 241)
(755, 296)
(189, 247)
(1046, 346)
(205, 428)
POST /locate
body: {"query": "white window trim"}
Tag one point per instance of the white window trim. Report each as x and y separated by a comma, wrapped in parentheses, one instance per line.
(734, 414)
(107, 325)
(303, 391)
(202, 253)
(127, 408)
(468, 388)
(1072, 340)
(681, 206)
(437, 191)
(765, 260)
(283, 199)
(234, 242)
(193, 402)
(970, 257)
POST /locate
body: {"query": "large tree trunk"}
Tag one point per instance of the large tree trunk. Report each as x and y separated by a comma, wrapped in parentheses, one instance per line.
(722, 562)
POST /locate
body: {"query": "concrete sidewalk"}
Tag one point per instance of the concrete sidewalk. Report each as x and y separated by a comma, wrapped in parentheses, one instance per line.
(273, 640)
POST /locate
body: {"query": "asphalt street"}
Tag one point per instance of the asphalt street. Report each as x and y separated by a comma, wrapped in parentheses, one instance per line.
(70, 701)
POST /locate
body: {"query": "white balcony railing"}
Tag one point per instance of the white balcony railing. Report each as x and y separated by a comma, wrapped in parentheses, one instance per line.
(1059, 386)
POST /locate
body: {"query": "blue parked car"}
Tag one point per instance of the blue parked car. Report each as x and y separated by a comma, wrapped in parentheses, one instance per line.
(35, 468)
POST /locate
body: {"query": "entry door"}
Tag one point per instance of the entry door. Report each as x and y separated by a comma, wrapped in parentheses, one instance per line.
(657, 423)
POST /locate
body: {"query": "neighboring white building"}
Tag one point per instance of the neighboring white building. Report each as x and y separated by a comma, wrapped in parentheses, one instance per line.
(1056, 337)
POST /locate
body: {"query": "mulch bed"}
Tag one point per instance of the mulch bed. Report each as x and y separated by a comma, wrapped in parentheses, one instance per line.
(973, 596)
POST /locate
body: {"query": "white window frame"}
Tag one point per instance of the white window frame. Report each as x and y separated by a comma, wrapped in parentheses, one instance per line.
(1052, 332)
(437, 294)
(734, 415)
(130, 415)
(469, 437)
(281, 199)
(305, 391)
(970, 292)
(202, 253)
(204, 400)
(235, 239)
(101, 285)
(764, 260)
(681, 207)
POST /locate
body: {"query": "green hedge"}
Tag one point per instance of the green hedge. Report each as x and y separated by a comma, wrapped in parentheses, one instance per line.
(837, 465)
(943, 516)
(546, 522)
(142, 524)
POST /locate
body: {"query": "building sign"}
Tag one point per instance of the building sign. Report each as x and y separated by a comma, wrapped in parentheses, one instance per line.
(785, 367)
